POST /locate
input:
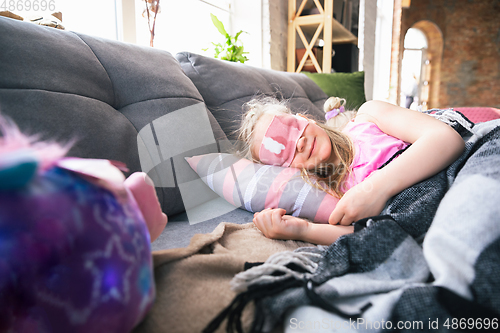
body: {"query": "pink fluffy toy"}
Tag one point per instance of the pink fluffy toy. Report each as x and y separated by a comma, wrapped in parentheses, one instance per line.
(75, 252)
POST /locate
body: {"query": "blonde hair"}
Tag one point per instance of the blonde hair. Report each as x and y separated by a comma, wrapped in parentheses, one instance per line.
(326, 173)
(341, 119)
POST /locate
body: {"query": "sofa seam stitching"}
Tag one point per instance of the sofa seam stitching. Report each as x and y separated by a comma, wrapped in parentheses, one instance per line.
(248, 95)
(98, 100)
(157, 98)
(199, 75)
(192, 65)
(103, 67)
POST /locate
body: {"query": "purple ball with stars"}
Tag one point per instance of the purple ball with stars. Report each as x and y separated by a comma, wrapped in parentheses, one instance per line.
(72, 257)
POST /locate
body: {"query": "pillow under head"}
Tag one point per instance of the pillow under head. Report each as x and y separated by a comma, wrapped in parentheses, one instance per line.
(254, 187)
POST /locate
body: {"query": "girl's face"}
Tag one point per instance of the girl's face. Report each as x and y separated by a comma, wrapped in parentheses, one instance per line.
(313, 147)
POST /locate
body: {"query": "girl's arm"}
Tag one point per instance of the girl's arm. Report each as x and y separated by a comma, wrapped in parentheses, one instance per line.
(435, 145)
(273, 223)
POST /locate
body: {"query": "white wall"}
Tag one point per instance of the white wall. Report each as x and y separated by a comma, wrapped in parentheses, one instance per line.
(278, 26)
(126, 20)
(92, 17)
(375, 44)
(366, 43)
(383, 45)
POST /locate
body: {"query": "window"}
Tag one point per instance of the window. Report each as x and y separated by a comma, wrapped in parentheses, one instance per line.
(183, 25)
(92, 17)
(382, 51)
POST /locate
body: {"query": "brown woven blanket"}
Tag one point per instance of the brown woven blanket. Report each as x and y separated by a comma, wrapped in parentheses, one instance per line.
(192, 283)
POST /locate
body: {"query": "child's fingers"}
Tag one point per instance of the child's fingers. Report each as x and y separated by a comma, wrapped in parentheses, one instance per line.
(335, 217)
(346, 220)
(277, 215)
(257, 213)
(341, 219)
(268, 220)
(290, 218)
(262, 215)
(263, 222)
(270, 209)
(281, 211)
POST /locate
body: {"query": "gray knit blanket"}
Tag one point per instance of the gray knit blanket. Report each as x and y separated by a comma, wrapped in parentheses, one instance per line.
(429, 262)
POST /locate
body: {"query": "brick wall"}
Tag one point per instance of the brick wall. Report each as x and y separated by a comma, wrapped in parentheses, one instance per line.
(470, 66)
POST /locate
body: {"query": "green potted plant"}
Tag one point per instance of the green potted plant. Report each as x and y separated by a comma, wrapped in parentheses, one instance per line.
(232, 49)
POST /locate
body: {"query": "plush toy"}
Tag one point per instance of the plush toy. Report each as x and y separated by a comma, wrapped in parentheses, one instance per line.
(75, 252)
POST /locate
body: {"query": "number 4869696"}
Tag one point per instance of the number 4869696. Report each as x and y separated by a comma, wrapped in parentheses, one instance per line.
(28, 5)
(471, 323)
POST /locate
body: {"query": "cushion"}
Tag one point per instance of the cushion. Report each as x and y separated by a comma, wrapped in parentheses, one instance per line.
(350, 86)
(254, 187)
(115, 100)
(226, 86)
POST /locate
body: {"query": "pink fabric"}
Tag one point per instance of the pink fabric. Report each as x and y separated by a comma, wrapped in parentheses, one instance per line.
(280, 141)
(479, 114)
(13, 140)
(325, 209)
(372, 149)
(278, 185)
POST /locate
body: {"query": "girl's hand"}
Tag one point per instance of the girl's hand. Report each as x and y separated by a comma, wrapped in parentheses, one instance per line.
(358, 202)
(273, 223)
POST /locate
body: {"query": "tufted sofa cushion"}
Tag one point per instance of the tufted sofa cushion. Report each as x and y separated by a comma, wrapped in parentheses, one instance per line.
(102, 94)
(226, 86)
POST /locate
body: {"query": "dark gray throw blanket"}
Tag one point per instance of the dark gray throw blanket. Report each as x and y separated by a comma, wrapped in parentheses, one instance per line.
(429, 262)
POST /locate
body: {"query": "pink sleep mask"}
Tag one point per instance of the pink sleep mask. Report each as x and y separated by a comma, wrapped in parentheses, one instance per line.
(280, 141)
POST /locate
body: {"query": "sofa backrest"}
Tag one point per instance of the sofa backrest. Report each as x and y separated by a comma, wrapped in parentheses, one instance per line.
(133, 104)
(100, 93)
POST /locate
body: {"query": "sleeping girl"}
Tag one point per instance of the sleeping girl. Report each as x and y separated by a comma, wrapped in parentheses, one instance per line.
(347, 156)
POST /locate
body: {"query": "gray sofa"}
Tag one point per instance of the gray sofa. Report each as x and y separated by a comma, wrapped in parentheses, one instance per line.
(140, 106)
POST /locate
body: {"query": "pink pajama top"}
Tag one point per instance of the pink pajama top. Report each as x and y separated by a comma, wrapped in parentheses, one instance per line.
(372, 148)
